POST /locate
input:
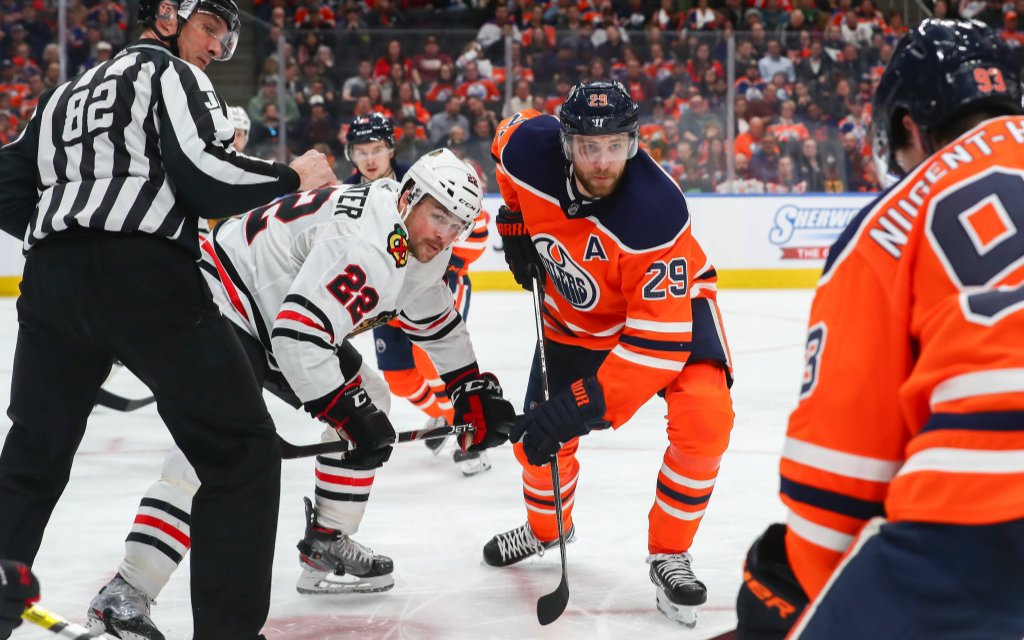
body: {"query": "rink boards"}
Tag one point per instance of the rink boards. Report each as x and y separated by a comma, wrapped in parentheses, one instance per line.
(755, 241)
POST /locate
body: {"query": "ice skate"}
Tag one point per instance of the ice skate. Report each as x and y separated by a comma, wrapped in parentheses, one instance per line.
(519, 544)
(435, 444)
(679, 592)
(471, 463)
(332, 562)
(121, 610)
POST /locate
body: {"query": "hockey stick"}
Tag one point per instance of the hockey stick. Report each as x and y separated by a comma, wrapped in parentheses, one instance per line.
(62, 627)
(291, 451)
(113, 401)
(550, 606)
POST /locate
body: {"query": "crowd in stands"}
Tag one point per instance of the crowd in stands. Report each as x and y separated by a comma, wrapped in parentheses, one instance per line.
(447, 71)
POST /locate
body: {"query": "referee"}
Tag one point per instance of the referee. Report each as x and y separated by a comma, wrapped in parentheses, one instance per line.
(106, 186)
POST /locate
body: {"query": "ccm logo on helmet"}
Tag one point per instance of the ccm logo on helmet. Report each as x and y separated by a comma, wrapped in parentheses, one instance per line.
(571, 280)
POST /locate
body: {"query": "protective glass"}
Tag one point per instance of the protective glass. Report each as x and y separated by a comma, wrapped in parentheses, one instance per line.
(228, 39)
(616, 147)
(373, 152)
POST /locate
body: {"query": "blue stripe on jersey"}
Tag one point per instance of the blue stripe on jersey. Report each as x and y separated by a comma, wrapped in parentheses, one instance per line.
(655, 345)
(682, 497)
(707, 275)
(981, 421)
(706, 342)
(830, 500)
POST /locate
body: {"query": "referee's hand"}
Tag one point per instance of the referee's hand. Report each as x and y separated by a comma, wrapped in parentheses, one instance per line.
(314, 171)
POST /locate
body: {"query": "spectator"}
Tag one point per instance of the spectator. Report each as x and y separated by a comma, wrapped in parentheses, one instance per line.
(808, 166)
(668, 16)
(36, 87)
(1009, 31)
(764, 164)
(696, 119)
(522, 99)
(444, 87)
(702, 17)
(476, 86)
(750, 141)
(375, 95)
(264, 131)
(385, 15)
(426, 65)
(787, 131)
(701, 62)
(816, 68)
(774, 14)
(854, 178)
(407, 106)
(743, 182)
(774, 62)
(355, 86)
(852, 66)
(267, 95)
(855, 32)
(393, 54)
(319, 127)
(410, 141)
(478, 147)
(788, 181)
(389, 88)
(561, 63)
(856, 122)
(632, 16)
(637, 82)
(440, 124)
(614, 45)
(490, 32)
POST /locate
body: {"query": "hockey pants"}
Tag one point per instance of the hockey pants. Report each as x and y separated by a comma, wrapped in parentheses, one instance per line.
(700, 418)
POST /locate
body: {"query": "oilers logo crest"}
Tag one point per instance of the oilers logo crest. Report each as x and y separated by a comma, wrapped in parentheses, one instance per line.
(571, 280)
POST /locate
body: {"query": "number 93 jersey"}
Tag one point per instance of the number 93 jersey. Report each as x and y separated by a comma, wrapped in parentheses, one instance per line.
(312, 268)
(912, 400)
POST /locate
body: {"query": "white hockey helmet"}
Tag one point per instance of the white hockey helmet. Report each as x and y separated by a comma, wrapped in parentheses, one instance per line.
(450, 181)
(239, 118)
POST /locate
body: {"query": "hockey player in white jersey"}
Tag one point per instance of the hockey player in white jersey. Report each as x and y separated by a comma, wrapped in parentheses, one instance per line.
(297, 277)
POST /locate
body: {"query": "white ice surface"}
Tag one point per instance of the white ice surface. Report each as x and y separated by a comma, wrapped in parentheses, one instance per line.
(434, 522)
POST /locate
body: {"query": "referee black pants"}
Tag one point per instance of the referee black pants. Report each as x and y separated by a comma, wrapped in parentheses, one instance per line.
(88, 298)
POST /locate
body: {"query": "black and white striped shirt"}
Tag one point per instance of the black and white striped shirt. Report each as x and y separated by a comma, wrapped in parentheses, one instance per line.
(140, 143)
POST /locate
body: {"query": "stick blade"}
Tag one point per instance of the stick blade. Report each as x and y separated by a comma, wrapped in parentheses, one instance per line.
(113, 401)
(551, 606)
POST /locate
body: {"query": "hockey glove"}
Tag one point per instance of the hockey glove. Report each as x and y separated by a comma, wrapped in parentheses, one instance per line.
(19, 590)
(476, 398)
(353, 415)
(770, 598)
(574, 412)
(520, 254)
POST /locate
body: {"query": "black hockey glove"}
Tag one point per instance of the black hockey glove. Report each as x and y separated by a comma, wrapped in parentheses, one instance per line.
(19, 590)
(770, 598)
(353, 415)
(575, 412)
(476, 398)
(520, 254)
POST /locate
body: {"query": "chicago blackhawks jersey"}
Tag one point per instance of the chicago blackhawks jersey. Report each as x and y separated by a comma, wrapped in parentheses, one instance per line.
(912, 402)
(310, 269)
(622, 271)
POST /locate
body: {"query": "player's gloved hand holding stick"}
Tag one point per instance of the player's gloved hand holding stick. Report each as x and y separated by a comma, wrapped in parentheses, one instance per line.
(19, 589)
(477, 400)
(572, 413)
(358, 421)
(520, 253)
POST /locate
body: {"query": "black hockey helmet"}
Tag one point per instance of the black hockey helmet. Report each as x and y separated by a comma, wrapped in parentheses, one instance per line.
(150, 11)
(369, 128)
(597, 108)
(939, 70)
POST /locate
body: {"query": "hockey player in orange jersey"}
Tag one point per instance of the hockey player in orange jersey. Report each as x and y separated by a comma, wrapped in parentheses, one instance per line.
(903, 466)
(629, 312)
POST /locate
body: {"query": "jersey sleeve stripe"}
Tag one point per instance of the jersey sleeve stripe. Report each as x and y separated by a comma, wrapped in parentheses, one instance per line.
(843, 464)
(655, 345)
(978, 383)
(682, 497)
(167, 507)
(307, 304)
(659, 327)
(957, 460)
(160, 545)
(437, 335)
(165, 527)
(281, 332)
(648, 361)
(295, 316)
(684, 481)
(831, 500)
(229, 286)
(981, 421)
(345, 480)
(678, 513)
(822, 536)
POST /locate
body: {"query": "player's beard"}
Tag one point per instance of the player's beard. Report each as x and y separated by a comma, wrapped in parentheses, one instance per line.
(600, 188)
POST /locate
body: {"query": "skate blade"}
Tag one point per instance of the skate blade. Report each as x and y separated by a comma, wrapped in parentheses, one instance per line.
(133, 629)
(319, 583)
(684, 615)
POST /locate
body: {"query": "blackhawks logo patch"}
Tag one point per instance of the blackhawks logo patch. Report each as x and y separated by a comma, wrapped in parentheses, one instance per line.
(398, 246)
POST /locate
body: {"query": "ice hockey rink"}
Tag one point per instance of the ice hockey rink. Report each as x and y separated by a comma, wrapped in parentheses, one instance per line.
(433, 521)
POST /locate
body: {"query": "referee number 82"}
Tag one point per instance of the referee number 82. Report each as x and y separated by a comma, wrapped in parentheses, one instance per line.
(89, 110)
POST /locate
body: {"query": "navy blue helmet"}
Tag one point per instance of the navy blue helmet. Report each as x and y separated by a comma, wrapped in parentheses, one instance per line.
(601, 107)
(369, 128)
(939, 70)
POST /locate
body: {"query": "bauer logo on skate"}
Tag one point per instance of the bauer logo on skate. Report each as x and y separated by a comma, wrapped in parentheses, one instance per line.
(571, 281)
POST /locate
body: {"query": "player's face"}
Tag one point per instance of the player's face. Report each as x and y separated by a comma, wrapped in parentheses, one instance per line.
(241, 137)
(200, 39)
(431, 229)
(598, 162)
(372, 159)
